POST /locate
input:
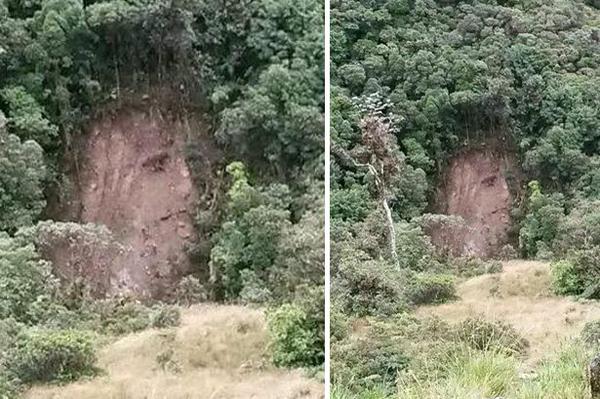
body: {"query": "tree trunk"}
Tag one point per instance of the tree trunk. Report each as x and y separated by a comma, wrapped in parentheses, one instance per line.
(391, 229)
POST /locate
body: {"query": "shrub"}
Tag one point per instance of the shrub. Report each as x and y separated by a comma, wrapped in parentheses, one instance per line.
(414, 248)
(114, 317)
(545, 214)
(374, 359)
(590, 334)
(565, 279)
(369, 287)
(163, 316)
(508, 252)
(254, 289)
(52, 355)
(426, 288)
(484, 335)
(293, 342)
(8, 388)
(578, 274)
(472, 266)
(190, 291)
(26, 280)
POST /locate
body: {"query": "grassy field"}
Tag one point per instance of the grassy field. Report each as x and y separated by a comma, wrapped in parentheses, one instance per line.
(217, 352)
(552, 367)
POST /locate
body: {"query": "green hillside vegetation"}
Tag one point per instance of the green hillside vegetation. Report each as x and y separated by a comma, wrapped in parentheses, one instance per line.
(414, 83)
(254, 71)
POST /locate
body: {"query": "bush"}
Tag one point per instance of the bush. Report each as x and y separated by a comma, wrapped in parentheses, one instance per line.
(364, 362)
(426, 288)
(590, 334)
(369, 287)
(254, 289)
(115, 317)
(8, 388)
(27, 281)
(565, 279)
(472, 266)
(293, 342)
(164, 316)
(578, 274)
(497, 336)
(508, 252)
(190, 291)
(414, 248)
(545, 214)
(52, 355)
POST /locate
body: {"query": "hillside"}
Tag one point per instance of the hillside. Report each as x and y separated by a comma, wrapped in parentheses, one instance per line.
(521, 296)
(464, 135)
(156, 155)
(216, 352)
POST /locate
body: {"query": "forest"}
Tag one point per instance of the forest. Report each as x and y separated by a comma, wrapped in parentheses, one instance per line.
(245, 78)
(465, 200)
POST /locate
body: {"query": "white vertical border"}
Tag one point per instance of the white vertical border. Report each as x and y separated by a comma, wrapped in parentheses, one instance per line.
(327, 373)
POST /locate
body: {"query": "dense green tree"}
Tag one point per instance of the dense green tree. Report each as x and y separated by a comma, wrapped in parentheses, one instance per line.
(22, 172)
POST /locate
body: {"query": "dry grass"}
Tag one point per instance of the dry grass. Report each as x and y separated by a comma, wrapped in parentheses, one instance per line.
(521, 296)
(217, 353)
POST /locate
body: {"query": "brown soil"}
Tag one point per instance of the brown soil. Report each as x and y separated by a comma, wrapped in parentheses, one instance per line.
(475, 188)
(133, 178)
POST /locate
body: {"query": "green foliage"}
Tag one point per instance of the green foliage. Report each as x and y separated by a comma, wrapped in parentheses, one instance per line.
(249, 237)
(590, 334)
(474, 266)
(415, 251)
(116, 317)
(578, 273)
(365, 362)
(190, 291)
(368, 287)
(254, 127)
(164, 316)
(22, 172)
(580, 229)
(53, 355)
(27, 281)
(351, 204)
(25, 117)
(293, 342)
(544, 216)
(565, 278)
(495, 336)
(425, 288)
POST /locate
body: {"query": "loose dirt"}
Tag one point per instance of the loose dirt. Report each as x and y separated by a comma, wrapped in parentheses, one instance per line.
(520, 295)
(133, 178)
(217, 353)
(475, 188)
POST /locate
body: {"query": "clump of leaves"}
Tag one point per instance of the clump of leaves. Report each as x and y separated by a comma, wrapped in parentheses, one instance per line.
(425, 288)
(294, 341)
(52, 355)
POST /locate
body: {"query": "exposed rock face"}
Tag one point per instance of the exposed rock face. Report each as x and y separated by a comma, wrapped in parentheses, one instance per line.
(475, 188)
(133, 179)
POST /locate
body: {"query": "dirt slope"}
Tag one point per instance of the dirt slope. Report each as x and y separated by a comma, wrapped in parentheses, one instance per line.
(133, 178)
(521, 296)
(475, 187)
(217, 353)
